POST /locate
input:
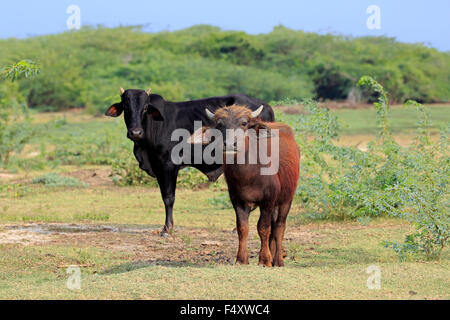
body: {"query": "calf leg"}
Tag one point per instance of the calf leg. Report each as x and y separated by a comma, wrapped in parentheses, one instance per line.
(278, 234)
(272, 242)
(264, 226)
(242, 213)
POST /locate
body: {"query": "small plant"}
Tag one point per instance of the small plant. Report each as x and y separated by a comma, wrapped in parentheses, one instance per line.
(16, 190)
(91, 216)
(221, 201)
(24, 68)
(294, 251)
(81, 256)
(407, 248)
(187, 240)
(55, 180)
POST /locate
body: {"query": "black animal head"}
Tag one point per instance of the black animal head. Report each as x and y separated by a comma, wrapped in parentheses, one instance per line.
(137, 105)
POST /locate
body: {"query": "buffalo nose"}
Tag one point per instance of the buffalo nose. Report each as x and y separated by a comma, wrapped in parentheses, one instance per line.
(136, 133)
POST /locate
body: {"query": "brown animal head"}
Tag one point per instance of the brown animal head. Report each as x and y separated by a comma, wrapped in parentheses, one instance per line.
(232, 121)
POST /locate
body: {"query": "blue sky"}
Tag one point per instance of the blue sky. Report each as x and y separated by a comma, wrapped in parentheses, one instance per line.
(408, 21)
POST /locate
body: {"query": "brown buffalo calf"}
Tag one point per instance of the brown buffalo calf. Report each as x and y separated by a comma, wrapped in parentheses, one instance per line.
(248, 185)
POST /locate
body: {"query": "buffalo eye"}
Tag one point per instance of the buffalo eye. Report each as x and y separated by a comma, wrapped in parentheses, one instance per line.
(244, 123)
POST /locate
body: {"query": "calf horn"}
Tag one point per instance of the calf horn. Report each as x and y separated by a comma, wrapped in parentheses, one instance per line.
(257, 111)
(209, 114)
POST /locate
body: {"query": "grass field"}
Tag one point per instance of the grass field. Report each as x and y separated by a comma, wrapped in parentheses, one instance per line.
(403, 120)
(111, 233)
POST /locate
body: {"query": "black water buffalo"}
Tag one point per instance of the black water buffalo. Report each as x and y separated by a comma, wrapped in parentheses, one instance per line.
(150, 121)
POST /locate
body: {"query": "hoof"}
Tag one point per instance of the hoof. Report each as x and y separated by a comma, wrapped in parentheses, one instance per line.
(278, 263)
(265, 264)
(242, 262)
(164, 234)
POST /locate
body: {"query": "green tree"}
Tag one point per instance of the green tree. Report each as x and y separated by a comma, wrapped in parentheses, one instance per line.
(15, 123)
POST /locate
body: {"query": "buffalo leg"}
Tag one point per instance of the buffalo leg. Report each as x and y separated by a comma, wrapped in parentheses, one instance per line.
(167, 184)
(278, 234)
(264, 226)
(242, 213)
(272, 242)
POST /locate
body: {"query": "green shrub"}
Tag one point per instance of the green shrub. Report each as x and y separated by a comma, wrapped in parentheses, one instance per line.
(126, 172)
(55, 180)
(191, 178)
(385, 180)
(15, 121)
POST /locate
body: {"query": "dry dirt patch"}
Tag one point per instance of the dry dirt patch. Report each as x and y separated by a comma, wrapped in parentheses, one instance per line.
(93, 177)
(7, 176)
(143, 243)
(23, 237)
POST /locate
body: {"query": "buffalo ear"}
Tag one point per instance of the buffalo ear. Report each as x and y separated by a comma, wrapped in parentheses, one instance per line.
(115, 110)
(156, 115)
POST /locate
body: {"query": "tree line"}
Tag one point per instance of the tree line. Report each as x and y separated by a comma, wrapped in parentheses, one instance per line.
(85, 68)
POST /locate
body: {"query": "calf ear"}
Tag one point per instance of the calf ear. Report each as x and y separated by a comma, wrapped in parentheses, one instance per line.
(156, 115)
(115, 110)
(200, 136)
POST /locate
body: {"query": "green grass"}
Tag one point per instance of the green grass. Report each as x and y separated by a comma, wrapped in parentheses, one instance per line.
(141, 205)
(402, 119)
(326, 260)
(248, 282)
